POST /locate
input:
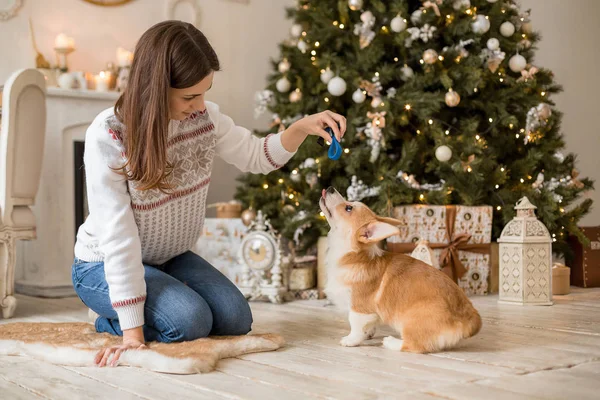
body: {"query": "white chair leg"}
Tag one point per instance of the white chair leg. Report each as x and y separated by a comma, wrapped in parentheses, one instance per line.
(8, 250)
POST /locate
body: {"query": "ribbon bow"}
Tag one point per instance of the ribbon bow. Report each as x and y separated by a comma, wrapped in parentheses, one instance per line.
(433, 4)
(378, 118)
(450, 259)
(526, 75)
(277, 121)
(574, 181)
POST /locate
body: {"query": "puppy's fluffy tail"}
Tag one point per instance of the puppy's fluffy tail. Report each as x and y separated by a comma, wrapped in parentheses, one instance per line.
(472, 325)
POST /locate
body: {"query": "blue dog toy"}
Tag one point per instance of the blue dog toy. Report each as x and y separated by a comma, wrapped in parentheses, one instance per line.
(335, 150)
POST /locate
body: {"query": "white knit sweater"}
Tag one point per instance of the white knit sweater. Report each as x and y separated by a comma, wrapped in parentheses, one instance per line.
(127, 227)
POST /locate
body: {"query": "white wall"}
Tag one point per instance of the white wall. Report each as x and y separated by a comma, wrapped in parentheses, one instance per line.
(569, 47)
(246, 36)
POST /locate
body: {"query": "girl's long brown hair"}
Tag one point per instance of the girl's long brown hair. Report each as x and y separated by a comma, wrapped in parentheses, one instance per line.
(169, 54)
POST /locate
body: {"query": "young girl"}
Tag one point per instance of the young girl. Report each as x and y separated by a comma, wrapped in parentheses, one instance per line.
(148, 165)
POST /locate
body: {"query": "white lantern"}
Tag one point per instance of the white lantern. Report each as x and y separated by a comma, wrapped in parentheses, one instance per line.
(525, 259)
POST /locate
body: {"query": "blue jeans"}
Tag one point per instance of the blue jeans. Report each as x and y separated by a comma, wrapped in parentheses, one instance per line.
(186, 299)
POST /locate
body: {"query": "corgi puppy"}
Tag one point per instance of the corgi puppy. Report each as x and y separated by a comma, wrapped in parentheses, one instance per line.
(421, 303)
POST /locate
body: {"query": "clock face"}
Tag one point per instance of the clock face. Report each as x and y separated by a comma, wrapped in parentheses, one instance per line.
(258, 252)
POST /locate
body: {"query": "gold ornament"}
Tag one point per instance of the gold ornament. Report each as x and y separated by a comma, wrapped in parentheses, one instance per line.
(288, 209)
(296, 96)
(452, 98)
(248, 216)
(430, 56)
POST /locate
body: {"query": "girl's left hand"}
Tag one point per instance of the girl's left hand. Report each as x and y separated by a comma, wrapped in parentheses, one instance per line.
(315, 124)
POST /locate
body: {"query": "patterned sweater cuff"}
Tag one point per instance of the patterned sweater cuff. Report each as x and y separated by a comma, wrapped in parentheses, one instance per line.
(277, 155)
(130, 312)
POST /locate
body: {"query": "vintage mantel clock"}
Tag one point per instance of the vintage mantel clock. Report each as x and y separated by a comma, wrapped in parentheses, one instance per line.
(263, 272)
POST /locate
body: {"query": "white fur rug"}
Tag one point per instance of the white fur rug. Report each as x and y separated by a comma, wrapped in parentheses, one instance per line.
(76, 344)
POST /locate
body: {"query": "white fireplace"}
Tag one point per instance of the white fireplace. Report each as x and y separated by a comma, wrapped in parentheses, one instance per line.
(44, 265)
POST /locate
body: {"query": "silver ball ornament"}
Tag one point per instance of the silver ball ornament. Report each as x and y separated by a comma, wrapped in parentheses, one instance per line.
(507, 29)
(283, 85)
(296, 30)
(481, 24)
(493, 44)
(443, 153)
(336, 86)
(406, 73)
(326, 76)
(358, 96)
(517, 63)
(398, 24)
(302, 46)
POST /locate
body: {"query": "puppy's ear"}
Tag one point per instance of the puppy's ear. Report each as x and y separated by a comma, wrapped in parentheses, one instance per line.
(391, 221)
(376, 231)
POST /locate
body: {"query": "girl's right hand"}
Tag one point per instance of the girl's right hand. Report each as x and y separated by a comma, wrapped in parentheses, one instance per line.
(128, 344)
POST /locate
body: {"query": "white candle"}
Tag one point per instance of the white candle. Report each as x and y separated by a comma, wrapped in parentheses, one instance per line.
(124, 57)
(102, 81)
(71, 43)
(61, 41)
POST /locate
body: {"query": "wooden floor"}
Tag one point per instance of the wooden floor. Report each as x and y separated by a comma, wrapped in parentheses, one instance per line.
(521, 353)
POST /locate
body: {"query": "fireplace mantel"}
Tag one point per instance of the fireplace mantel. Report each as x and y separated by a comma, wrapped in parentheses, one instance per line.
(44, 265)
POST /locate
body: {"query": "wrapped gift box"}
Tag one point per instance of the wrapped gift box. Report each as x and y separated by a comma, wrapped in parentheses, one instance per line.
(460, 237)
(585, 266)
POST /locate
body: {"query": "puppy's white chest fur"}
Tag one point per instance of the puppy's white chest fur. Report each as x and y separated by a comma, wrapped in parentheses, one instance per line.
(338, 293)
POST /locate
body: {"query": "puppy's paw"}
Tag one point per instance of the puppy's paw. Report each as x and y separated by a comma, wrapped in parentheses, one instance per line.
(350, 341)
(392, 343)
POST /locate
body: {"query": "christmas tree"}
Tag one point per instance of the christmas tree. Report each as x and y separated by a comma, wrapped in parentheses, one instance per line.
(444, 105)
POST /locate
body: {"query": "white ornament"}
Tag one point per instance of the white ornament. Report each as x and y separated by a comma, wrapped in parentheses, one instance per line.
(430, 56)
(296, 30)
(367, 18)
(493, 44)
(376, 102)
(355, 5)
(398, 24)
(358, 190)
(283, 85)
(415, 17)
(507, 29)
(308, 163)
(443, 153)
(526, 26)
(492, 1)
(424, 33)
(365, 30)
(406, 73)
(295, 176)
(326, 76)
(358, 96)
(284, 66)
(263, 99)
(481, 24)
(461, 4)
(302, 46)
(517, 63)
(296, 96)
(336, 86)
(560, 157)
